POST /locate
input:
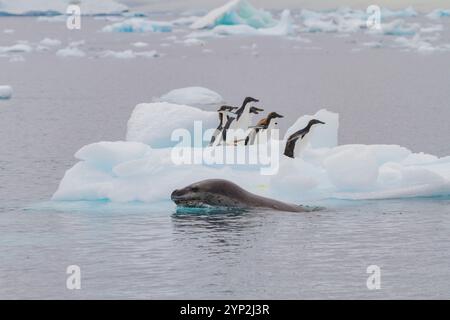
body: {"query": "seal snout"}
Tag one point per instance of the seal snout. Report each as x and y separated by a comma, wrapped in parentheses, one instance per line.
(176, 194)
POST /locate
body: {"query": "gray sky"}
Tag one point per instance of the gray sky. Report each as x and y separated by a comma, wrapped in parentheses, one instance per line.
(419, 5)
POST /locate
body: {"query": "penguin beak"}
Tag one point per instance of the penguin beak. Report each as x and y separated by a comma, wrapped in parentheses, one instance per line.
(279, 116)
(318, 121)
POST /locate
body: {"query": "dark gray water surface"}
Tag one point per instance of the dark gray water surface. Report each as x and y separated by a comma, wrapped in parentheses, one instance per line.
(148, 251)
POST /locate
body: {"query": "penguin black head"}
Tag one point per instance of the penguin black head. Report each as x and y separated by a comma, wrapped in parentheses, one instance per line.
(314, 121)
(226, 108)
(255, 110)
(249, 99)
(274, 115)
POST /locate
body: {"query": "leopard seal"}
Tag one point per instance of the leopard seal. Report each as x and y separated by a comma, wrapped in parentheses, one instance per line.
(218, 193)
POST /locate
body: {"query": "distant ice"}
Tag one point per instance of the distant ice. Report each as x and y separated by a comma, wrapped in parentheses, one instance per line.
(140, 44)
(439, 13)
(283, 27)
(56, 7)
(5, 92)
(17, 48)
(50, 42)
(194, 42)
(419, 43)
(138, 25)
(70, 52)
(235, 12)
(141, 168)
(8, 31)
(128, 54)
(192, 96)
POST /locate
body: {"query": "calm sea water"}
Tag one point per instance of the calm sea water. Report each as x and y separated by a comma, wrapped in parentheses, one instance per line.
(150, 251)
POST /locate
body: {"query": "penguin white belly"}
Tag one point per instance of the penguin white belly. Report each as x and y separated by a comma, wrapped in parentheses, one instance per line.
(239, 130)
(302, 144)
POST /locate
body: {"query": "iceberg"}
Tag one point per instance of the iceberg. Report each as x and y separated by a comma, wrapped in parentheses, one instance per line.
(283, 27)
(58, 7)
(235, 12)
(138, 25)
(192, 96)
(142, 168)
(5, 92)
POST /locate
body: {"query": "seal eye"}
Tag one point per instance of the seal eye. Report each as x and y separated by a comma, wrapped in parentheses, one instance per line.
(194, 189)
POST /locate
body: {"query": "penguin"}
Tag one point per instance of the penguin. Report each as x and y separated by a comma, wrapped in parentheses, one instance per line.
(242, 119)
(253, 110)
(293, 146)
(223, 110)
(267, 123)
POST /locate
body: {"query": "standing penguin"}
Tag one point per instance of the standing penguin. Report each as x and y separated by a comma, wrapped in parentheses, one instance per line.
(242, 119)
(217, 136)
(297, 141)
(267, 123)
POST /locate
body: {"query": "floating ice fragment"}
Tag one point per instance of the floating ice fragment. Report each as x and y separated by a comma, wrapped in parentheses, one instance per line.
(138, 25)
(5, 92)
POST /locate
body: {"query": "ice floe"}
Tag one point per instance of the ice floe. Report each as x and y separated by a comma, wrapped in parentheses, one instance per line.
(138, 25)
(57, 7)
(140, 44)
(5, 92)
(71, 51)
(17, 48)
(50, 42)
(142, 167)
(192, 96)
(129, 54)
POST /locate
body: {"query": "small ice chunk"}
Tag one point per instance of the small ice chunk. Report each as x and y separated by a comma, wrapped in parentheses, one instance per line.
(17, 48)
(194, 42)
(439, 13)
(50, 42)
(140, 44)
(138, 25)
(70, 52)
(6, 92)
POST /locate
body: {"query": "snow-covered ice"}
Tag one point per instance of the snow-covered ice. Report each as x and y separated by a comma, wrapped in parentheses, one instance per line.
(55, 7)
(147, 126)
(5, 92)
(192, 96)
(141, 168)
